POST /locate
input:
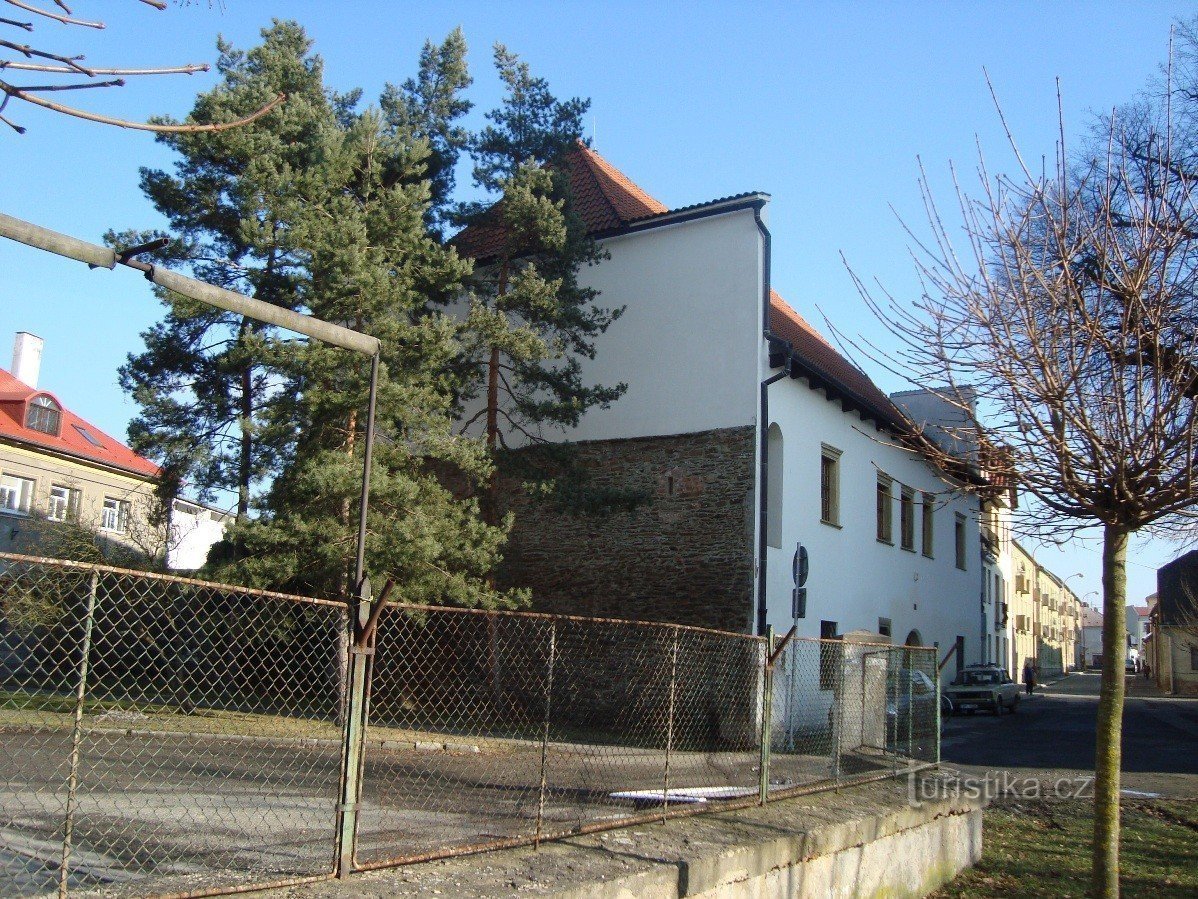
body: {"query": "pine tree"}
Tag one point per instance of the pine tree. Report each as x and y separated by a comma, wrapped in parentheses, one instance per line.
(203, 383)
(430, 107)
(530, 320)
(357, 218)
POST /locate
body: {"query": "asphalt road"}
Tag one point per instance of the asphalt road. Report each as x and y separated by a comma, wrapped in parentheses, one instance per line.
(1051, 738)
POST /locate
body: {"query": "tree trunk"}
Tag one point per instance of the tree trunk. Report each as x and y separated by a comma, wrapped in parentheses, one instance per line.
(1108, 748)
(491, 500)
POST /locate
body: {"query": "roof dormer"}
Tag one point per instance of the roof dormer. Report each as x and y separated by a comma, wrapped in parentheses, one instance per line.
(42, 413)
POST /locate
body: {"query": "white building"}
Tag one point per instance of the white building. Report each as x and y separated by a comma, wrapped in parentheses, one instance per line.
(747, 433)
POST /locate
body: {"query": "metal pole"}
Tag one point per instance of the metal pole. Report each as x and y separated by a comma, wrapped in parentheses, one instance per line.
(665, 794)
(545, 729)
(767, 718)
(907, 653)
(360, 571)
(64, 869)
(838, 698)
(354, 736)
(936, 736)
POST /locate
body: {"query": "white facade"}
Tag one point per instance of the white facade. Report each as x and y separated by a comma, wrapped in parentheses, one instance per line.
(688, 338)
(856, 580)
(690, 346)
(194, 529)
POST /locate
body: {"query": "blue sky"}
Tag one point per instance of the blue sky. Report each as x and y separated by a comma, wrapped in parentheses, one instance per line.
(827, 106)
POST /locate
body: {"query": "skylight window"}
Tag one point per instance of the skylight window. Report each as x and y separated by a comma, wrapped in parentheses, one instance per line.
(88, 436)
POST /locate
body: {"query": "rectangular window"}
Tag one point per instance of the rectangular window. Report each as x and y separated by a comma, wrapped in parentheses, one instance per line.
(959, 540)
(928, 523)
(885, 512)
(829, 486)
(115, 515)
(16, 494)
(884, 627)
(907, 518)
(64, 503)
(1194, 658)
(830, 655)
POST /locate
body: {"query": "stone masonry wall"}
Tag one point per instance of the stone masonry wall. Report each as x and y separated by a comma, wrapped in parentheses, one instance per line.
(683, 556)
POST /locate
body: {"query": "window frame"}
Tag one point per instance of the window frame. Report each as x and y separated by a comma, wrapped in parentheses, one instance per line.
(959, 540)
(829, 485)
(23, 489)
(884, 494)
(70, 502)
(121, 508)
(42, 410)
(928, 525)
(907, 518)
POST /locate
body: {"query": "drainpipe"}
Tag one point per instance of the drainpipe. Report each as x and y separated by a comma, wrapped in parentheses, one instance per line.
(763, 424)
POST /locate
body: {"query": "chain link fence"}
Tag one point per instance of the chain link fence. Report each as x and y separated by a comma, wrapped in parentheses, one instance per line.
(169, 735)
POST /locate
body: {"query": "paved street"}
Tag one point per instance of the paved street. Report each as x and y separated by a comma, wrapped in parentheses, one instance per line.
(1052, 737)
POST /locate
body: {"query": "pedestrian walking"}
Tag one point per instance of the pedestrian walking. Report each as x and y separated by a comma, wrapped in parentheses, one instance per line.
(1029, 677)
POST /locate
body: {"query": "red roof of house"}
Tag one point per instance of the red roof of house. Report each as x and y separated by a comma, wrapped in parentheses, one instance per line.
(604, 198)
(71, 440)
(817, 353)
(1143, 611)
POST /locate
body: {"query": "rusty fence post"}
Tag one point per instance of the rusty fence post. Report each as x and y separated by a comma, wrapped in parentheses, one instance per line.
(545, 729)
(64, 869)
(767, 717)
(354, 733)
(665, 793)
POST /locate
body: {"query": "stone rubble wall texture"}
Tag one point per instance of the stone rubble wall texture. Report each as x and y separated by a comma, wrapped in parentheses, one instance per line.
(684, 556)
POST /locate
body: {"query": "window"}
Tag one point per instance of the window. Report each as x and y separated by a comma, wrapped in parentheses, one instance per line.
(885, 512)
(829, 485)
(64, 503)
(884, 627)
(43, 415)
(16, 494)
(1194, 658)
(115, 515)
(88, 436)
(907, 518)
(773, 478)
(928, 524)
(829, 655)
(960, 653)
(959, 539)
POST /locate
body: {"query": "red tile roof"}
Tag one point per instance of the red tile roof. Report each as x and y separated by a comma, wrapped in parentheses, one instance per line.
(604, 198)
(814, 352)
(14, 399)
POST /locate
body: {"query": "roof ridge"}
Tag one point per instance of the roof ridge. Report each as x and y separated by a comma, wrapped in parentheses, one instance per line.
(613, 176)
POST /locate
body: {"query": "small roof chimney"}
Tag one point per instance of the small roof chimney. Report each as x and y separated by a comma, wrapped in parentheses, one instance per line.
(27, 358)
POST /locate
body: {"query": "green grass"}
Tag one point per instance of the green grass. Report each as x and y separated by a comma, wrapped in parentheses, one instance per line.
(1043, 849)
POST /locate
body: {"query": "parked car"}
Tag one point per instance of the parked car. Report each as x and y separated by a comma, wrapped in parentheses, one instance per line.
(910, 703)
(986, 687)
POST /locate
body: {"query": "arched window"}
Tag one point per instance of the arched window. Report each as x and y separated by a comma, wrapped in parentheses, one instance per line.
(773, 507)
(914, 639)
(43, 415)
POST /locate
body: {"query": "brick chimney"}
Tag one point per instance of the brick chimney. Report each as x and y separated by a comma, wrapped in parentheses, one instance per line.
(27, 358)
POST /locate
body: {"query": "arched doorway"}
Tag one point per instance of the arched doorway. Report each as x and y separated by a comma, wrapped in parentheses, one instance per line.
(913, 639)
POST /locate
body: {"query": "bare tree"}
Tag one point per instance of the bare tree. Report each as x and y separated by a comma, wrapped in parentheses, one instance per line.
(31, 58)
(1071, 314)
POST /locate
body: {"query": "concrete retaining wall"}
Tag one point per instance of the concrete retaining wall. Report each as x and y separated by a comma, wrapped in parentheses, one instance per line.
(861, 841)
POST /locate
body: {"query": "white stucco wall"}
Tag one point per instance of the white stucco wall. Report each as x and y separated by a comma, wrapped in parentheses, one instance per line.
(855, 579)
(687, 342)
(193, 531)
